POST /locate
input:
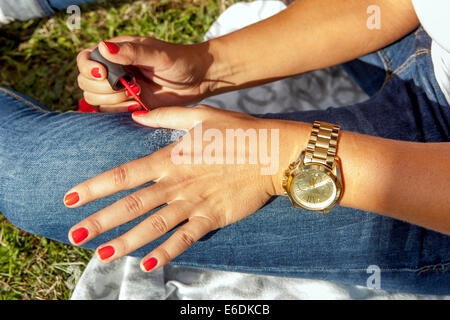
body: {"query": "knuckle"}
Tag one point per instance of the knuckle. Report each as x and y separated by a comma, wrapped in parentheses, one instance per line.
(130, 50)
(122, 245)
(164, 254)
(88, 98)
(95, 226)
(186, 238)
(120, 176)
(80, 81)
(133, 205)
(158, 223)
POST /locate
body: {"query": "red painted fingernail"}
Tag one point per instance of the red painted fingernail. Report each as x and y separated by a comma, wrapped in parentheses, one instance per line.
(112, 47)
(135, 89)
(134, 107)
(85, 107)
(150, 264)
(96, 73)
(79, 235)
(140, 113)
(71, 198)
(106, 252)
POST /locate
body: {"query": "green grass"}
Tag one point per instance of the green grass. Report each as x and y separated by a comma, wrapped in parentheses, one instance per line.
(38, 58)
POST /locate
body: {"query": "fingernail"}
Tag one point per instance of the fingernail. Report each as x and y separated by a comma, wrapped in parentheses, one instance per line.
(150, 264)
(96, 73)
(106, 252)
(79, 235)
(135, 89)
(71, 198)
(112, 47)
(85, 107)
(140, 113)
(134, 107)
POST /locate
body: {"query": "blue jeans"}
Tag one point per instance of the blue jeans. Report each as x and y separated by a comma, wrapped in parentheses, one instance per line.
(30, 9)
(44, 153)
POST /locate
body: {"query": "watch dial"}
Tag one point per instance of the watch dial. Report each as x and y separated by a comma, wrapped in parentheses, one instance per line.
(313, 188)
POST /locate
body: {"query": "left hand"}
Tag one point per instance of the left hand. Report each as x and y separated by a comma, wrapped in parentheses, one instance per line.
(208, 195)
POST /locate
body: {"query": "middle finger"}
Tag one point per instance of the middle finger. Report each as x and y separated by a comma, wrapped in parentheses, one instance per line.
(95, 86)
(148, 230)
(120, 212)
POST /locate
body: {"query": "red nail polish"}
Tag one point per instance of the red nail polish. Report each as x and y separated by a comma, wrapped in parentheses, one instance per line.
(140, 113)
(79, 235)
(150, 264)
(135, 90)
(71, 198)
(96, 73)
(134, 107)
(112, 47)
(106, 252)
(132, 83)
(85, 107)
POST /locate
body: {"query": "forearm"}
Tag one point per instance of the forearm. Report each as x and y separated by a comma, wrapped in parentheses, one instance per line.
(308, 35)
(404, 180)
(408, 181)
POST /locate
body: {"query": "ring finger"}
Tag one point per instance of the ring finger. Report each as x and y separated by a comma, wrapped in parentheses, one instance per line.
(148, 230)
(120, 212)
(97, 99)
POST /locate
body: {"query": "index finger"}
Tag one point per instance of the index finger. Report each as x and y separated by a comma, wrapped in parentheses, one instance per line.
(88, 68)
(125, 176)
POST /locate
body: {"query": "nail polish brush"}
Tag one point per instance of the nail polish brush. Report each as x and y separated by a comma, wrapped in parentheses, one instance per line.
(118, 76)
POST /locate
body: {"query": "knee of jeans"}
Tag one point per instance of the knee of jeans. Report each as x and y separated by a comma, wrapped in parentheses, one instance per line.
(38, 219)
(29, 202)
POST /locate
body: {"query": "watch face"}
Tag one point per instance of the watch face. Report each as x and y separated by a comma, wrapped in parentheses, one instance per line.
(314, 187)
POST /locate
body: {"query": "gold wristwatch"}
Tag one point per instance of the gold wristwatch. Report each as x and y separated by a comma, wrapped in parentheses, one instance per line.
(314, 181)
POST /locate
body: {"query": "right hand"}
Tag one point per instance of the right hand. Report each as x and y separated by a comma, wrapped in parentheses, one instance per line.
(166, 73)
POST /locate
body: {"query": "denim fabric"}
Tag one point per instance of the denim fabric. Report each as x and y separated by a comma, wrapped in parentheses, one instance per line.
(29, 9)
(43, 154)
(63, 4)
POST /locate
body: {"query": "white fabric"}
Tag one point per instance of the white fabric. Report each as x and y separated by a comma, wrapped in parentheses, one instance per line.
(434, 15)
(4, 19)
(22, 10)
(123, 278)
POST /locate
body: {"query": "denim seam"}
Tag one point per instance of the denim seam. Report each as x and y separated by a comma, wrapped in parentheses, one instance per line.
(441, 267)
(45, 7)
(387, 68)
(410, 60)
(26, 102)
(419, 30)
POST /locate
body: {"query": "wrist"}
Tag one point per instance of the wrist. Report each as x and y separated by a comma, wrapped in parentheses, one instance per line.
(223, 69)
(293, 140)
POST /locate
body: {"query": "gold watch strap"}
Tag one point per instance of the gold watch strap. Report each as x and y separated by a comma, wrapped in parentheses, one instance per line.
(322, 144)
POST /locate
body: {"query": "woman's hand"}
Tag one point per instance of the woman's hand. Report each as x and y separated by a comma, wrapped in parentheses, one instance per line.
(202, 178)
(166, 73)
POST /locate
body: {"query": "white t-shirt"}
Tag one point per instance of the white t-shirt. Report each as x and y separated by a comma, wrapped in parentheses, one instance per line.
(434, 15)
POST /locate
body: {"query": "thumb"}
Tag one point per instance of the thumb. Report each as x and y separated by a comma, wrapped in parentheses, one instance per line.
(181, 118)
(125, 53)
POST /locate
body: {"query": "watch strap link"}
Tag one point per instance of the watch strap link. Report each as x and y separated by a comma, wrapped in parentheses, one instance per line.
(322, 144)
